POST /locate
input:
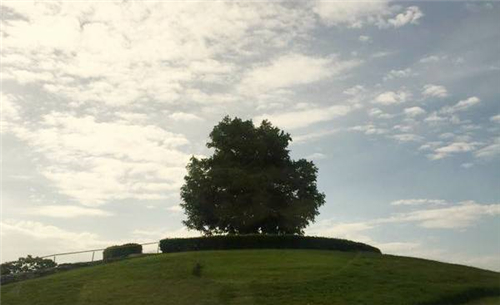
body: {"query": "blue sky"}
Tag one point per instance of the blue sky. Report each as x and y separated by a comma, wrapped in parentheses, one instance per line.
(397, 103)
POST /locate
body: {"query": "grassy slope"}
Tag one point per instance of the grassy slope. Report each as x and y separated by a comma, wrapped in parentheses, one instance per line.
(261, 277)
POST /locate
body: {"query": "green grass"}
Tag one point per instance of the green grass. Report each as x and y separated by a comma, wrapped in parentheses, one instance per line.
(262, 277)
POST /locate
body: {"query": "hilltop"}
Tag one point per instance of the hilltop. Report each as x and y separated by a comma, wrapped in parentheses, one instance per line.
(262, 277)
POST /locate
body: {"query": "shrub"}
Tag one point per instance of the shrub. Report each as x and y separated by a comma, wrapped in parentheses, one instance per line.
(26, 264)
(261, 241)
(121, 251)
(197, 270)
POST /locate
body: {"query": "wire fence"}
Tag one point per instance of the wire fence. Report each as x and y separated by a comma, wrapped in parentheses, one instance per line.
(94, 254)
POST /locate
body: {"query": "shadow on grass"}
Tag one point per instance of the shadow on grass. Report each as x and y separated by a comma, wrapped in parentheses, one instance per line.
(463, 297)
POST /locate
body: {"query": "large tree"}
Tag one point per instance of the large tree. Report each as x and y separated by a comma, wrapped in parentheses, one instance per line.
(250, 184)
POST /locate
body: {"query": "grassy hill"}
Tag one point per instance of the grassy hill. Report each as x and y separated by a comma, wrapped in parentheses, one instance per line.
(262, 277)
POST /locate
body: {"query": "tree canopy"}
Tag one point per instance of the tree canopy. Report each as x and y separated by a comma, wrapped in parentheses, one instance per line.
(250, 184)
(26, 264)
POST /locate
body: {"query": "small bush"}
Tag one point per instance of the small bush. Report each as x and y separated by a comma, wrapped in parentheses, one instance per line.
(262, 241)
(197, 270)
(121, 251)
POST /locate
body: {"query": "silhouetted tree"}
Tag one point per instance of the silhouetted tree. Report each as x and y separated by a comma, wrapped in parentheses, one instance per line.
(26, 264)
(250, 184)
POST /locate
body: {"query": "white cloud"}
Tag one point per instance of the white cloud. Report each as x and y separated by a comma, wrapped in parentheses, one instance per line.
(291, 70)
(461, 105)
(369, 129)
(407, 137)
(495, 118)
(478, 6)
(435, 119)
(125, 53)
(434, 91)
(430, 145)
(467, 165)
(393, 74)
(184, 117)
(359, 14)
(382, 54)
(67, 211)
(404, 128)
(432, 59)
(175, 209)
(303, 118)
(356, 90)
(414, 111)
(22, 237)
(375, 112)
(378, 113)
(410, 16)
(462, 215)
(419, 202)
(391, 98)
(453, 148)
(469, 127)
(330, 228)
(489, 151)
(213, 99)
(312, 136)
(316, 156)
(10, 115)
(364, 38)
(447, 135)
(94, 162)
(132, 117)
(352, 14)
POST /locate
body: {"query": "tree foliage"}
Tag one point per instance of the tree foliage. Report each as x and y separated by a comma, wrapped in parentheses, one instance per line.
(26, 264)
(250, 184)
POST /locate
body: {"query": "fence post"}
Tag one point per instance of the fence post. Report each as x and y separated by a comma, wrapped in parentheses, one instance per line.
(53, 256)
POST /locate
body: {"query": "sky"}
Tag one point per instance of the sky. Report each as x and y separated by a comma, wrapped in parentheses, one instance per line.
(397, 103)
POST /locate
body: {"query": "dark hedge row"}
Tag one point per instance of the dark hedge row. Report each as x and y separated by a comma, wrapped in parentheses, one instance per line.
(259, 241)
(121, 251)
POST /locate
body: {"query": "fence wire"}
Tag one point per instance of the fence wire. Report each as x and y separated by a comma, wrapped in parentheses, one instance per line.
(94, 254)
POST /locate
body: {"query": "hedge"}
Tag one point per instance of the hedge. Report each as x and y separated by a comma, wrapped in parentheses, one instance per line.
(261, 241)
(121, 251)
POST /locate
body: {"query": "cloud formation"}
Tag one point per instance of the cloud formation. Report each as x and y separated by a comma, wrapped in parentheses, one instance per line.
(360, 14)
(94, 162)
(453, 148)
(292, 70)
(462, 215)
(434, 91)
(461, 105)
(68, 211)
(419, 202)
(414, 111)
(298, 119)
(391, 98)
